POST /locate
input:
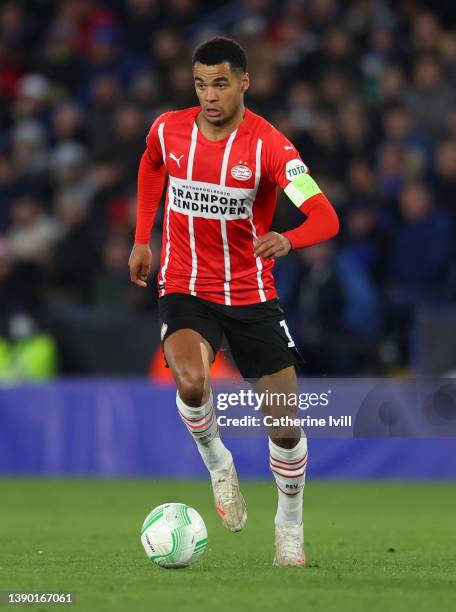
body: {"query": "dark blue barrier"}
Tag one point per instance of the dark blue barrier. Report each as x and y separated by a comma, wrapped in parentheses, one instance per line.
(131, 428)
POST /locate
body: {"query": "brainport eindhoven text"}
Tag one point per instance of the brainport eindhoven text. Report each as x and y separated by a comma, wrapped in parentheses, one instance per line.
(284, 421)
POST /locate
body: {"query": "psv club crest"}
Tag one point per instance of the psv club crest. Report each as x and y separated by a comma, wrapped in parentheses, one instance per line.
(241, 172)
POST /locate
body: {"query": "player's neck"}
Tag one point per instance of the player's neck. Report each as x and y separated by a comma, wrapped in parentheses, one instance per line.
(219, 132)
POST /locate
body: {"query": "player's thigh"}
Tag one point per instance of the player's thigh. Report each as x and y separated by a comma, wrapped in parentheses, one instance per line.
(260, 341)
(191, 336)
(280, 391)
(189, 356)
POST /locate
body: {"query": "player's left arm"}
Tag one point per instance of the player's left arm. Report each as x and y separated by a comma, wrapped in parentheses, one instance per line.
(286, 168)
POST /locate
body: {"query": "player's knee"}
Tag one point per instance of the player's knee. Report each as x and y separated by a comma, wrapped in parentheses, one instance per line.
(191, 386)
(288, 442)
(284, 438)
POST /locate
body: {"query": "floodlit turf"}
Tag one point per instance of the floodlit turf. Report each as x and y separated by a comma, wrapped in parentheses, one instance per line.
(388, 547)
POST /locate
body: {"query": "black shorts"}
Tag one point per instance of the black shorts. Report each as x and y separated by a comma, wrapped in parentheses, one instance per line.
(257, 334)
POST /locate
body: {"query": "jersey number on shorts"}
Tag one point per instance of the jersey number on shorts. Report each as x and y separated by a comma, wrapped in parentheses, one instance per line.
(287, 333)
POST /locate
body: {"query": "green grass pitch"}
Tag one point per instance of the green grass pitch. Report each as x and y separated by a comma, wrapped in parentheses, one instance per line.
(370, 546)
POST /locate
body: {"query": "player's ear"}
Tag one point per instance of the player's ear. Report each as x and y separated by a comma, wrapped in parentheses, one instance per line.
(245, 82)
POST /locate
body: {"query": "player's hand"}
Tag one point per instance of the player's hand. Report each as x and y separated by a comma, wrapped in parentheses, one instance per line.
(140, 262)
(272, 245)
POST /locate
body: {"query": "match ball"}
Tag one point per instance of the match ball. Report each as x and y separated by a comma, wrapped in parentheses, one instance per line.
(174, 535)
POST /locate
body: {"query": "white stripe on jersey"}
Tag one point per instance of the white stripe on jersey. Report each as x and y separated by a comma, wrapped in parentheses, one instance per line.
(191, 157)
(226, 248)
(161, 127)
(191, 153)
(226, 157)
(257, 182)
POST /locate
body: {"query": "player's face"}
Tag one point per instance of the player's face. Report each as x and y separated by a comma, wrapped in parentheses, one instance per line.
(220, 91)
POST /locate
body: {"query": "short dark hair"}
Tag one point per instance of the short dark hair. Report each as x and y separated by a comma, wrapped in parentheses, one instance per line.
(221, 49)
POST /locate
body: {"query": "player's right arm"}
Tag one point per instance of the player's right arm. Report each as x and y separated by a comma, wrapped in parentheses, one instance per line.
(151, 180)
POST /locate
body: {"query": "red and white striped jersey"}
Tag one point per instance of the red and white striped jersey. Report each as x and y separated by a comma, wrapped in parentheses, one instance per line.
(221, 196)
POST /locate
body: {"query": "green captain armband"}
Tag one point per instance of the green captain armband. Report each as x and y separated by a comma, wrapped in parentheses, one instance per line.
(301, 189)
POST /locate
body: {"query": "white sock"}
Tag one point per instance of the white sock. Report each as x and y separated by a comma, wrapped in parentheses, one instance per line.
(288, 466)
(202, 425)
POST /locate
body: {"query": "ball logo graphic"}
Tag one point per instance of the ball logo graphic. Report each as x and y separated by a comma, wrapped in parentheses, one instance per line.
(241, 173)
(174, 535)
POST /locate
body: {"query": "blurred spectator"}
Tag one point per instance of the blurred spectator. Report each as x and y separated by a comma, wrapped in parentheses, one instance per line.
(391, 170)
(420, 263)
(167, 49)
(59, 62)
(142, 18)
(75, 258)
(431, 98)
(361, 183)
(426, 33)
(355, 130)
(321, 147)
(29, 354)
(68, 123)
(69, 171)
(32, 97)
(392, 85)
(366, 243)
(32, 232)
(29, 147)
(301, 102)
(128, 139)
(334, 324)
(112, 285)
(399, 128)
(10, 188)
(422, 247)
(104, 94)
(445, 181)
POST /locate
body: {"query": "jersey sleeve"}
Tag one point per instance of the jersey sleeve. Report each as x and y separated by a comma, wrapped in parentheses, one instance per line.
(151, 180)
(282, 160)
(154, 146)
(285, 167)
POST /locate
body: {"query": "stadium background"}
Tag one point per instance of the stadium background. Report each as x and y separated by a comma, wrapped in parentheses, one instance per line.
(366, 91)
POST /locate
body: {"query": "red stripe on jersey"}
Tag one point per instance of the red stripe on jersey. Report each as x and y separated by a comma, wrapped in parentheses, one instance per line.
(209, 249)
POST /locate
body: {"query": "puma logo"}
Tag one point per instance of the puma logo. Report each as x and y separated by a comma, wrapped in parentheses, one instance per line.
(177, 160)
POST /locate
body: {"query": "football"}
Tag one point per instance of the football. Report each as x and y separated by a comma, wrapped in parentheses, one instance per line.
(174, 535)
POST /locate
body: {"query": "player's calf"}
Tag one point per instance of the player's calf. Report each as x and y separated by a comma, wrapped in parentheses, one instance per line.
(288, 466)
(201, 422)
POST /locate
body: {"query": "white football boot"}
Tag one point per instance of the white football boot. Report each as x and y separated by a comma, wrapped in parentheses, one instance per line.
(289, 545)
(229, 502)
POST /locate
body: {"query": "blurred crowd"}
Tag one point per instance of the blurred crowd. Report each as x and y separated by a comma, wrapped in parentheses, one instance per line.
(366, 90)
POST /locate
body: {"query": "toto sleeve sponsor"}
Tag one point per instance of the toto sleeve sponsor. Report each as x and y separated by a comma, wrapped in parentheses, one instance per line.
(294, 168)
